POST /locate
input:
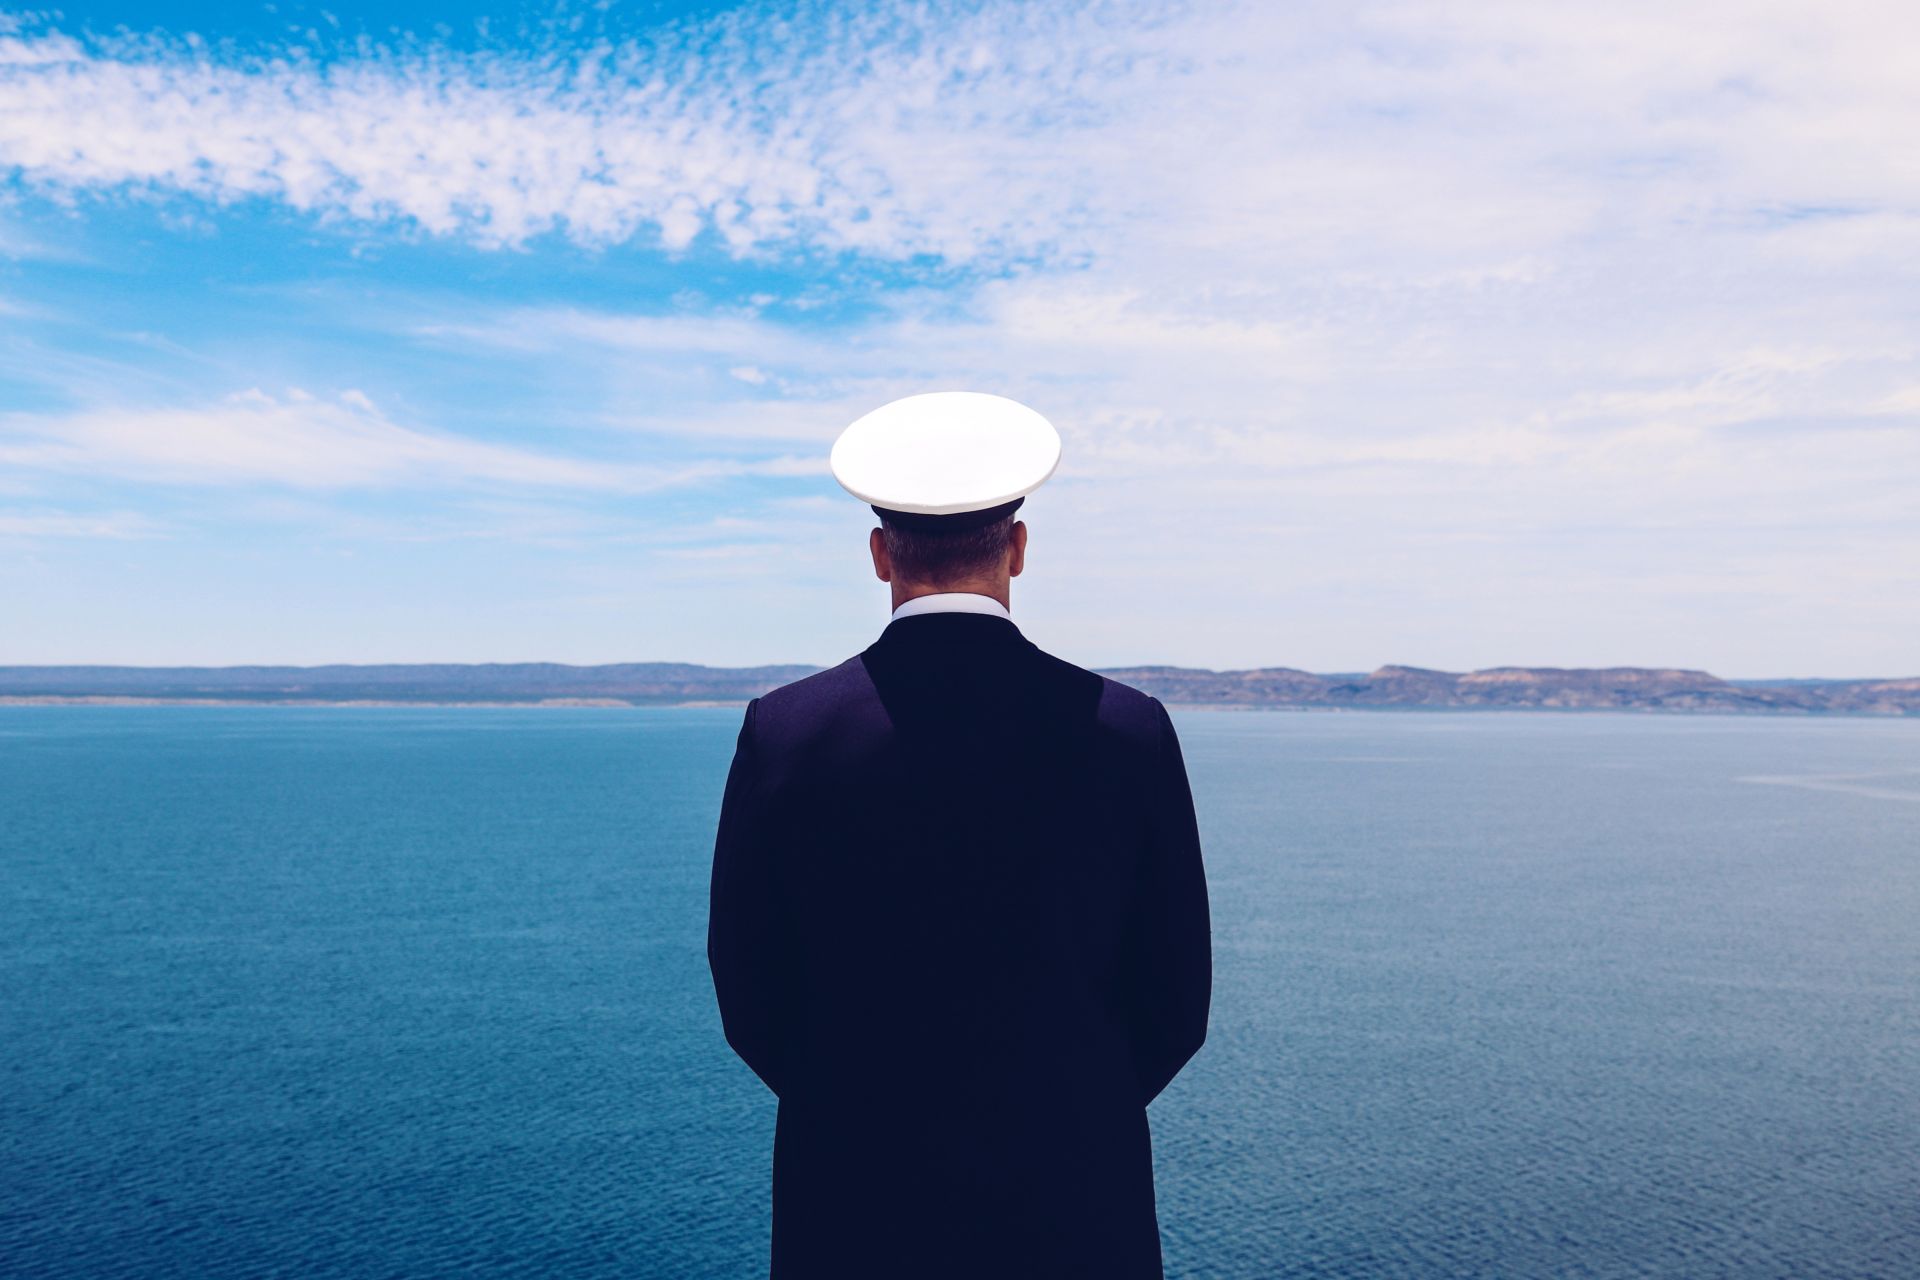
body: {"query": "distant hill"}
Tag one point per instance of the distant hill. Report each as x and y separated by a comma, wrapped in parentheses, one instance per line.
(509, 682)
(1545, 688)
(655, 683)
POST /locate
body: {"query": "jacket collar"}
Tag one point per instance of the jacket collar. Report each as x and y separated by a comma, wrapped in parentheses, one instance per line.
(960, 630)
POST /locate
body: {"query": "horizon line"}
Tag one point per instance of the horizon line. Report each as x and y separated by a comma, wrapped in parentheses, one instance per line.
(815, 666)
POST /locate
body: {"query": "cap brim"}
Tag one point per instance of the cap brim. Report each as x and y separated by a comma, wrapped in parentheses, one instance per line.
(946, 453)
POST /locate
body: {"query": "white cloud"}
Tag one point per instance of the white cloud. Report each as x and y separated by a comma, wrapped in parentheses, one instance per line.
(63, 524)
(1384, 143)
(868, 136)
(304, 442)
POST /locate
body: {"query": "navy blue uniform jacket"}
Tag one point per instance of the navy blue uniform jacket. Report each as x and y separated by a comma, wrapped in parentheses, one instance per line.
(959, 926)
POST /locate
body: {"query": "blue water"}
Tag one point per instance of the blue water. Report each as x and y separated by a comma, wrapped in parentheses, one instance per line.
(338, 992)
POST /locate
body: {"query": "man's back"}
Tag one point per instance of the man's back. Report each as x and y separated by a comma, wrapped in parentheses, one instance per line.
(960, 928)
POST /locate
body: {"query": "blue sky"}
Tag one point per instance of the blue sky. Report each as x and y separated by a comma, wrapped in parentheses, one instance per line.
(1464, 335)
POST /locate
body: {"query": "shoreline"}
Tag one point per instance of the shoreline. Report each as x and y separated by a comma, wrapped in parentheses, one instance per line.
(618, 704)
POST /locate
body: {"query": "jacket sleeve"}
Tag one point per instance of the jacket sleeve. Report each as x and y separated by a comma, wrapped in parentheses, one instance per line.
(1171, 935)
(744, 928)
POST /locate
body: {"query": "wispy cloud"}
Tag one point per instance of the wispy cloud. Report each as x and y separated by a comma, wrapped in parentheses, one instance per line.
(816, 128)
(304, 442)
(63, 524)
(1010, 132)
(1389, 143)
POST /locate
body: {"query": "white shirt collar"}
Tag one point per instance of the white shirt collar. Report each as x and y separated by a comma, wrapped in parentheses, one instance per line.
(953, 602)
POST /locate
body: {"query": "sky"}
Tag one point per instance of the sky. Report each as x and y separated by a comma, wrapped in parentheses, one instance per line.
(1455, 335)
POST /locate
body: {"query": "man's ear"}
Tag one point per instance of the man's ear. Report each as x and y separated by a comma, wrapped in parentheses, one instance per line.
(1017, 552)
(882, 562)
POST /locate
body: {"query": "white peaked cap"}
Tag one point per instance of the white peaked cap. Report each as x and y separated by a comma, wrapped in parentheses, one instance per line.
(946, 453)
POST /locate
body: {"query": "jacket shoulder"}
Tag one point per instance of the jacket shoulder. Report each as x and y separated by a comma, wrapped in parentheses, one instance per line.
(1121, 709)
(826, 686)
(794, 713)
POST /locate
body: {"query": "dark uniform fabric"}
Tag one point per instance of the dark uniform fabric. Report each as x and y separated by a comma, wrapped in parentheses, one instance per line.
(959, 926)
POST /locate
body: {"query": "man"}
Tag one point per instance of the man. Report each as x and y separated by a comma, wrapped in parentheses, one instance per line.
(959, 920)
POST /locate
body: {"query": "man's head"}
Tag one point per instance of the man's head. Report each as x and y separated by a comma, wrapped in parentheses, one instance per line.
(945, 471)
(918, 560)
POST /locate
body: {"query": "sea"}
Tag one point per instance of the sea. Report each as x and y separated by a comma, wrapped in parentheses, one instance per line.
(419, 992)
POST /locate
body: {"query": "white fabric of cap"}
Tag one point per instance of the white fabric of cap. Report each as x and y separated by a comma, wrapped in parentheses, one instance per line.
(946, 452)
